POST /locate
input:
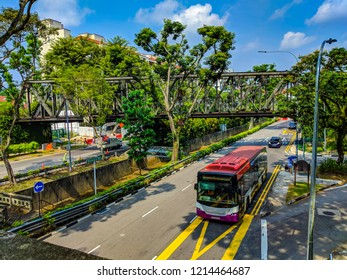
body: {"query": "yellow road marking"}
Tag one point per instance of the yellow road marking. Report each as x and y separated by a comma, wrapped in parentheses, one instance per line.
(247, 220)
(265, 191)
(198, 244)
(235, 243)
(179, 240)
(290, 142)
(240, 234)
(197, 254)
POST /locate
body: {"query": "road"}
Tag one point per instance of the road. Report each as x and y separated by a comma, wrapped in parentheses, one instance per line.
(159, 222)
(25, 165)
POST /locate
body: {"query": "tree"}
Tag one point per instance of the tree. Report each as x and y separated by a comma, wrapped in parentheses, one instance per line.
(71, 52)
(332, 95)
(88, 93)
(120, 59)
(174, 57)
(21, 61)
(18, 22)
(19, 52)
(138, 120)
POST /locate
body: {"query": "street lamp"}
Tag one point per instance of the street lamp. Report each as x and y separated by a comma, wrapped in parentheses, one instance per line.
(296, 130)
(314, 157)
(297, 60)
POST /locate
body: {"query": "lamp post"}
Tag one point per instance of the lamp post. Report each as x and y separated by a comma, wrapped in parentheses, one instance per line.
(314, 157)
(297, 60)
(296, 130)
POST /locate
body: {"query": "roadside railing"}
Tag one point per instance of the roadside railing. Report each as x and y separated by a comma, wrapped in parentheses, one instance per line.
(68, 217)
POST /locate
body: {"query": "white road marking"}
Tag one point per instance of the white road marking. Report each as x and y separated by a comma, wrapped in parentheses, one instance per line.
(264, 244)
(150, 211)
(91, 251)
(83, 218)
(186, 187)
(193, 219)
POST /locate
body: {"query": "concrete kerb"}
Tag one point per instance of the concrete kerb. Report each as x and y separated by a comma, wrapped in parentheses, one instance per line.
(277, 197)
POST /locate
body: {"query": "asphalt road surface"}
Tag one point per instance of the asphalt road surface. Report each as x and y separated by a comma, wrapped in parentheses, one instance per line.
(159, 222)
(35, 163)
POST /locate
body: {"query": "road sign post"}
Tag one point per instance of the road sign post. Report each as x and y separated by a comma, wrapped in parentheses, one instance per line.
(38, 188)
(94, 178)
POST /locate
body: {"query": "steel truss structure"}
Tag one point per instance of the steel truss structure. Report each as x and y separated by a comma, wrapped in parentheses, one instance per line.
(241, 94)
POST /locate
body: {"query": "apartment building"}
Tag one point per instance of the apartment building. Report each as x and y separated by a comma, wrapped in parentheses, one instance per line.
(62, 33)
(65, 33)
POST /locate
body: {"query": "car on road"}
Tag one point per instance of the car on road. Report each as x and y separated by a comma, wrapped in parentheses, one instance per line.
(292, 125)
(275, 142)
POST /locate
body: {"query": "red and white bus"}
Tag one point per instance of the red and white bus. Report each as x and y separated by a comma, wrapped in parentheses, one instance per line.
(226, 187)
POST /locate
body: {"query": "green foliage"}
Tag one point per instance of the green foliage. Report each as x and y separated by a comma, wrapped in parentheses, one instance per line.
(95, 207)
(264, 68)
(175, 57)
(23, 148)
(332, 95)
(22, 57)
(122, 60)
(72, 52)
(6, 112)
(17, 223)
(28, 23)
(138, 120)
(89, 93)
(331, 166)
(49, 220)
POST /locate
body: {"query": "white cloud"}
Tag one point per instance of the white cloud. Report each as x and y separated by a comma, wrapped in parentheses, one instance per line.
(198, 15)
(330, 10)
(161, 11)
(292, 40)
(194, 17)
(67, 12)
(251, 46)
(279, 13)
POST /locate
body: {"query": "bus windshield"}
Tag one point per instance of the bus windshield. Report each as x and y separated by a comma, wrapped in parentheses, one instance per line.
(218, 193)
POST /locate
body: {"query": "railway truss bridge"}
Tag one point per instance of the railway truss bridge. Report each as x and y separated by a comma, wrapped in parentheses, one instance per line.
(236, 94)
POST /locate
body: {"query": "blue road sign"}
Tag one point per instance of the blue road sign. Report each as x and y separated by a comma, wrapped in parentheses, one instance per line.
(38, 187)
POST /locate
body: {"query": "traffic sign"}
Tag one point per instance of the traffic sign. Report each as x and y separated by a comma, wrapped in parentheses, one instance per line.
(38, 187)
(90, 160)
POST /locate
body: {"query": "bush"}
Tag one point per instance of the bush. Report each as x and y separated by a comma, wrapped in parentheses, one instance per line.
(330, 166)
(23, 148)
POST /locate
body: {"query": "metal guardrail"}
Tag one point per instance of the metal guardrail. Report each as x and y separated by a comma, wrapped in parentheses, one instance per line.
(70, 216)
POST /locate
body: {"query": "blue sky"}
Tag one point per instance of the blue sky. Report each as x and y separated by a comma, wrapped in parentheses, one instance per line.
(295, 26)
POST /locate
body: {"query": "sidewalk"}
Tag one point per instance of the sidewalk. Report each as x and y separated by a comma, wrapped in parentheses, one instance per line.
(276, 200)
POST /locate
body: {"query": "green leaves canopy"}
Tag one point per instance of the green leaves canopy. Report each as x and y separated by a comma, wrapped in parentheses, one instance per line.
(138, 121)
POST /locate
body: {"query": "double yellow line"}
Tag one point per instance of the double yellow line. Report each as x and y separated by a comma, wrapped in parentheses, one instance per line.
(235, 244)
(264, 193)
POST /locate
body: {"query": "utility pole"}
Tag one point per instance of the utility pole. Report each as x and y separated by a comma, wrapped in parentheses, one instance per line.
(314, 158)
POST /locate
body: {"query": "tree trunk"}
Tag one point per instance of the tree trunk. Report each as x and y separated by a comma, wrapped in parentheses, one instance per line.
(175, 138)
(10, 173)
(339, 145)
